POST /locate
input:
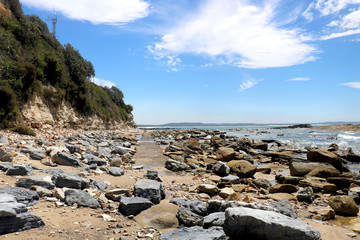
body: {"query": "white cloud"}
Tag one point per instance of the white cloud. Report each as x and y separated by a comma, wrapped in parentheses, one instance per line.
(327, 7)
(239, 34)
(102, 82)
(352, 84)
(248, 83)
(341, 34)
(352, 20)
(95, 11)
(299, 79)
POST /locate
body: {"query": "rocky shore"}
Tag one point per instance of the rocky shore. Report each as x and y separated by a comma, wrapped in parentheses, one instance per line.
(178, 184)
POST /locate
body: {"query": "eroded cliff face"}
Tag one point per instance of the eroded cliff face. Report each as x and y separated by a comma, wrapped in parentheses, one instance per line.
(38, 113)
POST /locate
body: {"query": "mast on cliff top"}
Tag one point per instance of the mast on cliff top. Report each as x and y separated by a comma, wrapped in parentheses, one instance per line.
(54, 21)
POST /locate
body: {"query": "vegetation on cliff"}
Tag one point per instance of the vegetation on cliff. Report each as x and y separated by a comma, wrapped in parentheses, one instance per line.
(32, 62)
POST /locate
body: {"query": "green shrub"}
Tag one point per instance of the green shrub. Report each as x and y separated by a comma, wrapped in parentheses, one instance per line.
(23, 129)
(9, 111)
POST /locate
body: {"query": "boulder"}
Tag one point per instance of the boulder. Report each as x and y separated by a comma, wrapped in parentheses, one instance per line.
(26, 197)
(196, 206)
(133, 206)
(305, 195)
(189, 218)
(92, 159)
(149, 189)
(283, 188)
(243, 223)
(214, 219)
(20, 170)
(195, 233)
(242, 168)
(285, 208)
(262, 183)
(35, 154)
(343, 205)
(116, 162)
(116, 171)
(324, 173)
(354, 192)
(37, 180)
(318, 185)
(152, 174)
(4, 156)
(221, 169)
(73, 149)
(99, 184)
(208, 188)
(231, 179)
(175, 166)
(65, 159)
(117, 193)
(82, 199)
(3, 140)
(300, 169)
(70, 180)
(161, 216)
(226, 192)
(225, 154)
(324, 156)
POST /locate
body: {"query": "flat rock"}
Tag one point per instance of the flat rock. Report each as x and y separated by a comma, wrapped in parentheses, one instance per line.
(35, 154)
(242, 168)
(318, 185)
(20, 222)
(115, 194)
(281, 196)
(37, 180)
(242, 223)
(196, 206)
(189, 218)
(300, 169)
(322, 155)
(283, 188)
(82, 199)
(21, 195)
(208, 188)
(233, 179)
(19, 170)
(100, 184)
(70, 180)
(116, 171)
(92, 159)
(65, 159)
(149, 189)
(175, 166)
(133, 206)
(195, 233)
(214, 219)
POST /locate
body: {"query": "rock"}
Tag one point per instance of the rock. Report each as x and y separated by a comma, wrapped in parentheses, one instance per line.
(70, 180)
(116, 162)
(242, 168)
(324, 173)
(285, 208)
(175, 166)
(53, 171)
(92, 159)
(326, 214)
(208, 188)
(343, 205)
(82, 199)
(221, 169)
(195, 206)
(305, 195)
(193, 144)
(116, 171)
(37, 180)
(42, 192)
(20, 170)
(226, 192)
(65, 159)
(318, 184)
(189, 218)
(225, 154)
(117, 193)
(221, 206)
(149, 189)
(283, 188)
(354, 192)
(214, 219)
(321, 155)
(35, 154)
(123, 150)
(173, 148)
(4, 166)
(262, 183)
(3, 140)
(100, 184)
(21, 195)
(4, 156)
(152, 174)
(161, 216)
(261, 145)
(195, 233)
(240, 187)
(340, 182)
(72, 148)
(133, 206)
(231, 178)
(242, 223)
(288, 179)
(281, 196)
(300, 169)
(127, 158)
(285, 156)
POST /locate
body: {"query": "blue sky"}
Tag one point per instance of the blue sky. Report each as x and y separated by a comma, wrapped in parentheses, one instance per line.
(270, 61)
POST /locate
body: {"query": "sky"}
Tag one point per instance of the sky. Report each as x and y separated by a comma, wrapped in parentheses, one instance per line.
(211, 61)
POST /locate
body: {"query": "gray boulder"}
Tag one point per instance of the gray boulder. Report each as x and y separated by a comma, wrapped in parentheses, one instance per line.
(99, 184)
(65, 159)
(20, 170)
(194, 206)
(82, 199)
(27, 197)
(123, 150)
(35, 154)
(214, 219)
(195, 233)
(221, 169)
(4, 166)
(245, 223)
(3, 140)
(189, 218)
(116, 171)
(262, 183)
(92, 159)
(221, 206)
(233, 179)
(37, 180)
(149, 189)
(152, 174)
(306, 195)
(70, 180)
(175, 166)
(72, 148)
(285, 208)
(133, 206)
(53, 171)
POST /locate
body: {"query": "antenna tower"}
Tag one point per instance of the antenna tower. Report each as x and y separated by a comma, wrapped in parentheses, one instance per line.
(54, 21)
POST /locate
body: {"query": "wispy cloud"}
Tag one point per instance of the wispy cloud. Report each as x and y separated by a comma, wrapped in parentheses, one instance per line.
(352, 84)
(299, 79)
(248, 83)
(102, 82)
(95, 11)
(239, 33)
(341, 34)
